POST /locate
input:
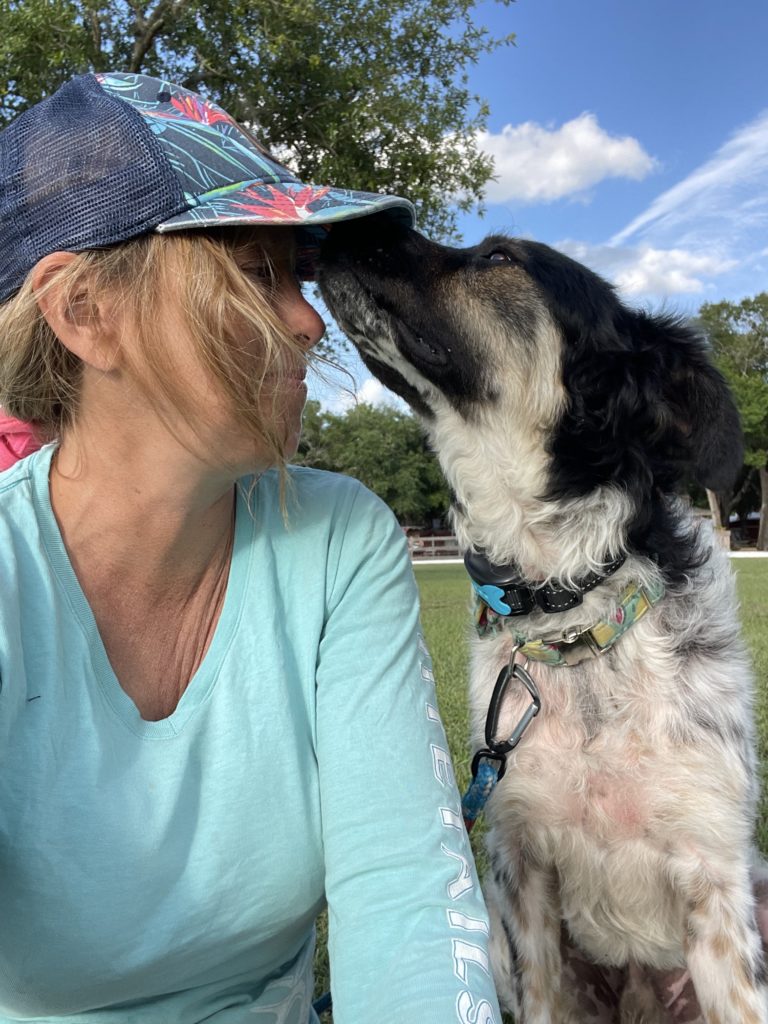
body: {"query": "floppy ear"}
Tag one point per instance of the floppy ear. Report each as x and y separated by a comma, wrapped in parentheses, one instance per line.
(701, 406)
(717, 446)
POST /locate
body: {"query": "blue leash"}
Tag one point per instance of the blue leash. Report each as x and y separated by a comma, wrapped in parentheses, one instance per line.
(322, 1004)
(487, 769)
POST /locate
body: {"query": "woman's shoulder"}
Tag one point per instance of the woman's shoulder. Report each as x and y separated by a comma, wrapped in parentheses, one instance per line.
(22, 548)
(17, 486)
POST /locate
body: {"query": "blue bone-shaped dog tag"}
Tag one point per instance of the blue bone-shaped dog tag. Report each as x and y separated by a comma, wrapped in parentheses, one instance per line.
(493, 597)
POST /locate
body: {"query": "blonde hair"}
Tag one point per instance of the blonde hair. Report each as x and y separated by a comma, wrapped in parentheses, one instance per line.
(229, 316)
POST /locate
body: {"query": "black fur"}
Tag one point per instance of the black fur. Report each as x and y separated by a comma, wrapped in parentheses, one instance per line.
(646, 408)
(395, 266)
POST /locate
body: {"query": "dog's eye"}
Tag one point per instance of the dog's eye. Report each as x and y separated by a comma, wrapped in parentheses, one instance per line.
(498, 256)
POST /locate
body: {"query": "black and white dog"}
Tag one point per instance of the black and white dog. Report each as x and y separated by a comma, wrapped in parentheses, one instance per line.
(566, 423)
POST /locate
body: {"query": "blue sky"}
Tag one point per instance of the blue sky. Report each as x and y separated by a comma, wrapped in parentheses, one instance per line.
(634, 137)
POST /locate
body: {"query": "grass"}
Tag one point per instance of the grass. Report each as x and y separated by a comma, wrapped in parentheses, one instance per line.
(752, 576)
(445, 599)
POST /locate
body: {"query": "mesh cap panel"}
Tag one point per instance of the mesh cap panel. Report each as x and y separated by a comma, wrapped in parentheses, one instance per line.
(81, 170)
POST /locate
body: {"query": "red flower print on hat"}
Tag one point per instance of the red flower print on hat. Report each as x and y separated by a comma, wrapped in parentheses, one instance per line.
(282, 205)
(198, 110)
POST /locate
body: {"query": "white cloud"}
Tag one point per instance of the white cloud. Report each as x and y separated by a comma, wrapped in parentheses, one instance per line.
(373, 392)
(668, 272)
(645, 270)
(534, 163)
(370, 392)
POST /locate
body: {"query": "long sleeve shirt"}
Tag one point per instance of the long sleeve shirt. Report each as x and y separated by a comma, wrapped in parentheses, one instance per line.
(171, 871)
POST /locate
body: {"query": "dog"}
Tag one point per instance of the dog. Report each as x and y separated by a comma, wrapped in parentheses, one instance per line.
(566, 424)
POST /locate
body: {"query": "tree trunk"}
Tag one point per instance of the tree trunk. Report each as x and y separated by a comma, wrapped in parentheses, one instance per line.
(762, 533)
(714, 507)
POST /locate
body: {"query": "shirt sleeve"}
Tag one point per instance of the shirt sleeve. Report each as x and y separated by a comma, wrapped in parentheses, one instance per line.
(408, 928)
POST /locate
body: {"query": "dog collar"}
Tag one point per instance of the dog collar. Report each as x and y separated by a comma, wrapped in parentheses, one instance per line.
(575, 645)
(503, 589)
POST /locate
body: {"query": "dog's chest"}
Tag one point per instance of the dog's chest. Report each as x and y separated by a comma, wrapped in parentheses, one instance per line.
(588, 760)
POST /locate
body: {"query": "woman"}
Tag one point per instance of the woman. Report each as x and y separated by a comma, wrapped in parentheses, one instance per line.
(216, 709)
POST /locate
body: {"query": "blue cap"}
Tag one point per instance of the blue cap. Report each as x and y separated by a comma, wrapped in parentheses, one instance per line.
(109, 157)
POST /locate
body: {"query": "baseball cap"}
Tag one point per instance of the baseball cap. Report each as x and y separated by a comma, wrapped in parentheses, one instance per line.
(111, 156)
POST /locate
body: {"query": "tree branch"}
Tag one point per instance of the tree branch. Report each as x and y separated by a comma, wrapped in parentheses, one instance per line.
(147, 29)
(96, 34)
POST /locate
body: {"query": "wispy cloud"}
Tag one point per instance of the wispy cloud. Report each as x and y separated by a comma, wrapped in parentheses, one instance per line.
(722, 205)
(534, 163)
(707, 229)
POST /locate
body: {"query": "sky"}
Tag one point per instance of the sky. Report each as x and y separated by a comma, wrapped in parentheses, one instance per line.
(632, 136)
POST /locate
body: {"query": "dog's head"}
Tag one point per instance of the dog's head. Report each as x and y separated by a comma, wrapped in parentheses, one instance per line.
(527, 348)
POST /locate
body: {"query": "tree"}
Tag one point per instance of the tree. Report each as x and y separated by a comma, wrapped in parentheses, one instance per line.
(738, 332)
(384, 449)
(365, 94)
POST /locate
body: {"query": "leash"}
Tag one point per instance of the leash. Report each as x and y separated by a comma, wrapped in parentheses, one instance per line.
(323, 1004)
(490, 763)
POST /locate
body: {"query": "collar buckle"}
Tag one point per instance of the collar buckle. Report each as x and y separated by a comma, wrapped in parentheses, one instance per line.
(575, 645)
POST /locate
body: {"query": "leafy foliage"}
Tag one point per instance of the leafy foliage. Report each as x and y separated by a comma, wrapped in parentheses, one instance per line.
(739, 336)
(738, 332)
(363, 94)
(383, 448)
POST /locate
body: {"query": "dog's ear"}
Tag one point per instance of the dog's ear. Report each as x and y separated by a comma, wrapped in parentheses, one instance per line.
(696, 401)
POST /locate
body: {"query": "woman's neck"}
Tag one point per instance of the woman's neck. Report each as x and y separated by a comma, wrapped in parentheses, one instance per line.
(148, 513)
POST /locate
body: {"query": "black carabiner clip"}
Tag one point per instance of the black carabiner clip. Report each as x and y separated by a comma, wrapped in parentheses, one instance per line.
(511, 670)
(489, 755)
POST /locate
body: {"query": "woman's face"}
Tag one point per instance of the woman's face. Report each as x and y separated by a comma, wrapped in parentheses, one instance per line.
(283, 392)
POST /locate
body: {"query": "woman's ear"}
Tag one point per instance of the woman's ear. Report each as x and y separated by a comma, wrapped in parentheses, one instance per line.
(82, 320)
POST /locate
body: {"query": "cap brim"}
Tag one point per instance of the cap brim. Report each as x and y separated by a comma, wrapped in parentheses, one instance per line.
(287, 202)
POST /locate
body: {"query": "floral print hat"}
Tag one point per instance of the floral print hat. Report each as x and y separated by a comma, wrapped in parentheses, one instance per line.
(112, 156)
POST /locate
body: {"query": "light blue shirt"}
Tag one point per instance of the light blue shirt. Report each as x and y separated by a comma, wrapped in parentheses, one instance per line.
(172, 871)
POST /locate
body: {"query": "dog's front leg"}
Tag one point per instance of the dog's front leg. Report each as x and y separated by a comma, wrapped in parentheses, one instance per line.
(722, 944)
(527, 902)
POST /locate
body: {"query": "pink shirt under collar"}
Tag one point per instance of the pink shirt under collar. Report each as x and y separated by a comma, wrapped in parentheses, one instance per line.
(17, 439)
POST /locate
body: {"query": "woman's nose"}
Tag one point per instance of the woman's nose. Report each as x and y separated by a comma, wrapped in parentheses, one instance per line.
(300, 316)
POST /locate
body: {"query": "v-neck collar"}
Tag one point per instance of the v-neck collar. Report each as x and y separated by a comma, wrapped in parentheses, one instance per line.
(204, 679)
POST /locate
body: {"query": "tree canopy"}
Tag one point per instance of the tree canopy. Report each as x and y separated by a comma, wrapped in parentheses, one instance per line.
(738, 333)
(363, 94)
(383, 448)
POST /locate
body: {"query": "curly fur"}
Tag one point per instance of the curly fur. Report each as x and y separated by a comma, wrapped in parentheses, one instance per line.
(566, 423)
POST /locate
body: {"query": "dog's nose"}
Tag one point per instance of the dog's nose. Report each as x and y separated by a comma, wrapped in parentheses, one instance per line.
(364, 239)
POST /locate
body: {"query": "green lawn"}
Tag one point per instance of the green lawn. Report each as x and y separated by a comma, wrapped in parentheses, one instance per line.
(445, 601)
